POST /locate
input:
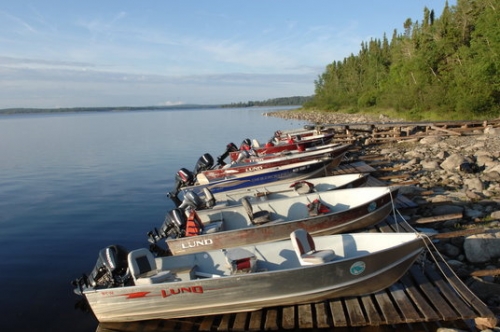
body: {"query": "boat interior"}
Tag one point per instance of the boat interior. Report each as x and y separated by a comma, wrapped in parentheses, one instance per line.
(252, 213)
(301, 250)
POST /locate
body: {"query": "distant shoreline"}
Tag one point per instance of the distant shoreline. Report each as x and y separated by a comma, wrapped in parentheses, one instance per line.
(12, 111)
(276, 102)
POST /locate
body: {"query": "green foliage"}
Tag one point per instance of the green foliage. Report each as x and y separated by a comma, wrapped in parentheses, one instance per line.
(284, 101)
(445, 67)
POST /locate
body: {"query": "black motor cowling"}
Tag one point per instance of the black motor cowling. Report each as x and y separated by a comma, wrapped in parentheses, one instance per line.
(246, 144)
(183, 178)
(173, 226)
(231, 147)
(110, 270)
(110, 266)
(205, 162)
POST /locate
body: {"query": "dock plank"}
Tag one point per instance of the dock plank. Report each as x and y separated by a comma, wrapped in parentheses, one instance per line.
(322, 315)
(207, 323)
(387, 307)
(305, 316)
(435, 297)
(184, 325)
(353, 167)
(240, 321)
(338, 313)
(373, 316)
(466, 293)
(271, 322)
(288, 319)
(451, 295)
(354, 312)
(255, 321)
(224, 323)
(421, 303)
(404, 303)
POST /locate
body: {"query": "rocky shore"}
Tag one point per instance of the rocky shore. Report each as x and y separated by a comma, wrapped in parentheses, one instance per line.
(456, 186)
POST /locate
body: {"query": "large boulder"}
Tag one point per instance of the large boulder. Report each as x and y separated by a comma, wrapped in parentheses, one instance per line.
(453, 162)
(481, 248)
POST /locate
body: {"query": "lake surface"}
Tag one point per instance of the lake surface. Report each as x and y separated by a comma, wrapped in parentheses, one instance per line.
(71, 184)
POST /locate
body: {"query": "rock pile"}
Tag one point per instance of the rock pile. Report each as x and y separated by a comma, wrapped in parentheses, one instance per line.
(457, 176)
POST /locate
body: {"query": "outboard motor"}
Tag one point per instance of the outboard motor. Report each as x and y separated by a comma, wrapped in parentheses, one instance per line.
(191, 199)
(244, 154)
(246, 144)
(204, 163)
(231, 147)
(173, 226)
(209, 198)
(110, 270)
(183, 178)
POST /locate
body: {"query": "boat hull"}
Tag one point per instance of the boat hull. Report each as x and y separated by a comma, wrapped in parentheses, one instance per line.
(299, 145)
(284, 190)
(345, 219)
(298, 171)
(259, 164)
(345, 276)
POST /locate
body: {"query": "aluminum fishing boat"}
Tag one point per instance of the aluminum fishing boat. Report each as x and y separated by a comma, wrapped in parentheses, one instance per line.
(320, 213)
(272, 191)
(132, 286)
(295, 171)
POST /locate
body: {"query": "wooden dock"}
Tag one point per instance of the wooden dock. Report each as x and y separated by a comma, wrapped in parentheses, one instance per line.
(428, 296)
(390, 131)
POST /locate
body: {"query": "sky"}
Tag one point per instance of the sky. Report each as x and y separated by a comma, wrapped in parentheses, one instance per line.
(59, 53)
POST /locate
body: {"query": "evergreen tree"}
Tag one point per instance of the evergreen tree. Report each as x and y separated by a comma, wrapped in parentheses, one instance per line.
(448, 65)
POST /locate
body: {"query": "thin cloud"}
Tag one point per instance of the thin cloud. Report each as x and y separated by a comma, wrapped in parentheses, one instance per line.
(18, 24)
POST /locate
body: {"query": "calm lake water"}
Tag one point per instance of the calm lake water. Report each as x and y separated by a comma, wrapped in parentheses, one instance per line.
(71, 184)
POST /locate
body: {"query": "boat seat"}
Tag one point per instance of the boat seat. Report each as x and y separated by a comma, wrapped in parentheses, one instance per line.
(304, 246)
(257, 218)
(143, 268)
(303, 187)
(241, 260)
(212, 227)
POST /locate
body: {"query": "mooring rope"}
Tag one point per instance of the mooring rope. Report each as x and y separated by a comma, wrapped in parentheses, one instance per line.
(435, 254)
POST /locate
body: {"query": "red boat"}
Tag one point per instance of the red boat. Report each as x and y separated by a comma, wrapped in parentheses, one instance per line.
(299, 144)
(261, 163)
(249, 156)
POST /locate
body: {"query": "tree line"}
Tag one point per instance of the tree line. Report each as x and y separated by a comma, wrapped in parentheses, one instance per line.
(448, 66)
(284, 101)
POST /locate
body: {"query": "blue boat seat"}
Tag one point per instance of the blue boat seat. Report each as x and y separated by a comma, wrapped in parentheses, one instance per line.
(257, 218)
(142, 265)
(304, 246)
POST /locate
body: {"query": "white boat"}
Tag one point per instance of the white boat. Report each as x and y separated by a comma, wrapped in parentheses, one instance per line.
(291, 188)
(320, 213)
(133, 286)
